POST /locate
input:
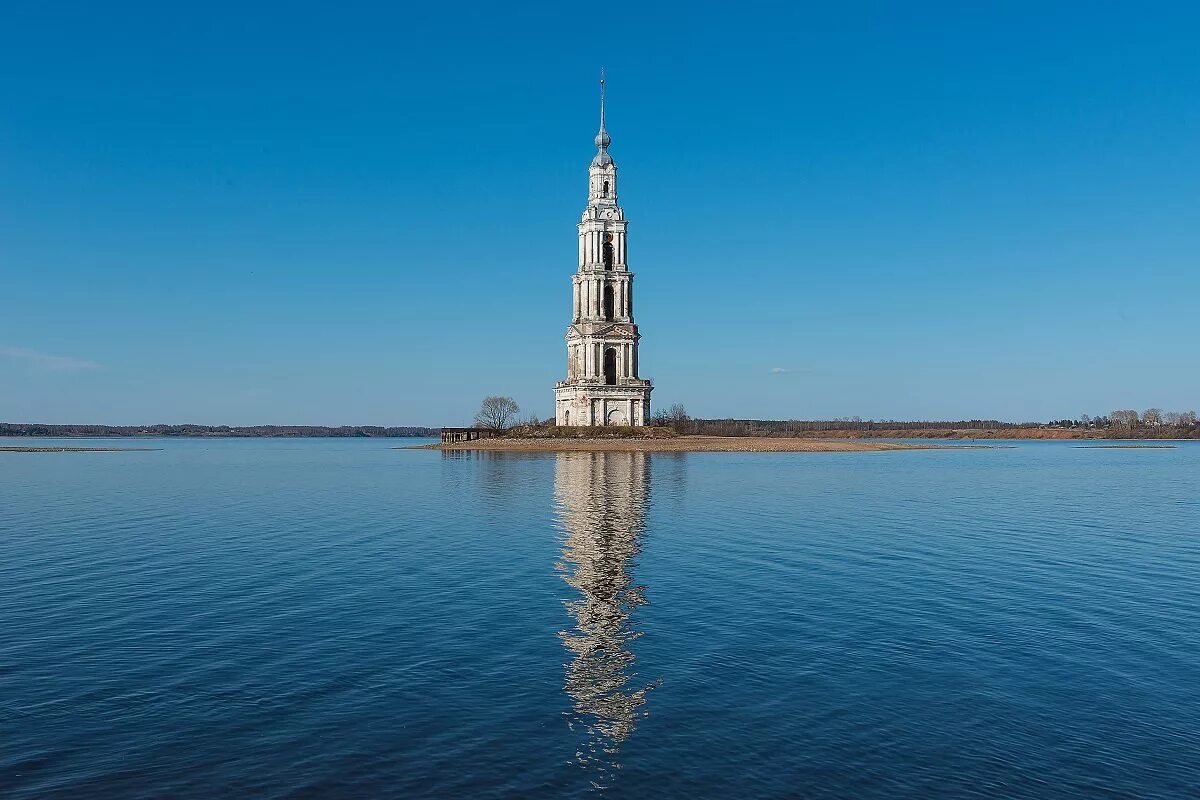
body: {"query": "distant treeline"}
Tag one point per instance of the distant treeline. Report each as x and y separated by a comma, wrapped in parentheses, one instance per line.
(1152, 424)
(38, 429)
(769, 427)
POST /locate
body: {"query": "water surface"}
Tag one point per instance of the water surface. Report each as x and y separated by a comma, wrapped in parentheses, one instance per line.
(334, 618)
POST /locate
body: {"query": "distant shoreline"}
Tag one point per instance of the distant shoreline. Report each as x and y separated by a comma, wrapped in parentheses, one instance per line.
(37, 430)
(79, 449)
(18, 437)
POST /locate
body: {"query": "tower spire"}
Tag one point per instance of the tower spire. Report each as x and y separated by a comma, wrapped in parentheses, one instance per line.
(602, 139)
(602, 99)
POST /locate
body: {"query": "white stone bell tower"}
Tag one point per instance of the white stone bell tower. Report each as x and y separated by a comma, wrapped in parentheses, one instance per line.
(602, 385)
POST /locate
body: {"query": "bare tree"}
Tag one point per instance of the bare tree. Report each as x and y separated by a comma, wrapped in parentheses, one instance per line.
(531, 422)
(1124, 419)
(497, 412)
(1152, 416)
(674, 416)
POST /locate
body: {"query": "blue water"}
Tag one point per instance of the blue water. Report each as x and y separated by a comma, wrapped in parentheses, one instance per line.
(335, 618)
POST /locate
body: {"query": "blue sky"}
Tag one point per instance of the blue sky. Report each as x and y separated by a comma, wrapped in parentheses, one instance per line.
(365, 214)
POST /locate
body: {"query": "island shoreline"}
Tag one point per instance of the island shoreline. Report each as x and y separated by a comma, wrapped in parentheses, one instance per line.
(686, 444)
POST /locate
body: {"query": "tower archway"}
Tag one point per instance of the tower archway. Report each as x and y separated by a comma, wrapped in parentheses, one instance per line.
(609, 304)
(610, 367)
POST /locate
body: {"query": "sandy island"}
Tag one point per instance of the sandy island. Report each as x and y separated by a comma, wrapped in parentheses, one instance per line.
(687, 444)
(1125, 447)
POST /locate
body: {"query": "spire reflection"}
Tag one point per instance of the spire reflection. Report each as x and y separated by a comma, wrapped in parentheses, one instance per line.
(601, 507)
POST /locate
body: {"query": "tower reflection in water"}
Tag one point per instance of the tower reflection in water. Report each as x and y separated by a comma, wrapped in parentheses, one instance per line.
(601, 506)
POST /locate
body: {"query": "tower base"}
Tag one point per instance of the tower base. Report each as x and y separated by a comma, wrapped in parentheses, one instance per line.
(581, 405)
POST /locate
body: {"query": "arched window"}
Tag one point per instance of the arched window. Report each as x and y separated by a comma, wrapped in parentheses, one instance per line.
(609, 310)
(610, 367)
(567, 417)
(604, 191)
(608, 251)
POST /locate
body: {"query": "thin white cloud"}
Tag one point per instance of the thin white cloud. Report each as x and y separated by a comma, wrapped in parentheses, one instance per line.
(781, 370)
(46, 360)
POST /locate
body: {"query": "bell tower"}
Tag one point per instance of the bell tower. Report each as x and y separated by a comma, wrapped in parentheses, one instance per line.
(603, 386)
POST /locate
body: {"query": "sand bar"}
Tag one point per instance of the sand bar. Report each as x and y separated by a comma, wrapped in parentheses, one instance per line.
(1125, 447)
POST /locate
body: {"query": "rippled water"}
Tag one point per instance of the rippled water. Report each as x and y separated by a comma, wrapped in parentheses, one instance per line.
(334, 618)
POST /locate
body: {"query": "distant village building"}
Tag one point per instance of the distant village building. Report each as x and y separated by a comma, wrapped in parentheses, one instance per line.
(602, 385)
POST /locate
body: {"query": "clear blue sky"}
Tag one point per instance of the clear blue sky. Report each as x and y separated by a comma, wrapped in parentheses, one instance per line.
(365, 213)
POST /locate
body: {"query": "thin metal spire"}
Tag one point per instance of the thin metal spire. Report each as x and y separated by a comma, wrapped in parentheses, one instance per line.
(602, 159)
(602, 99)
